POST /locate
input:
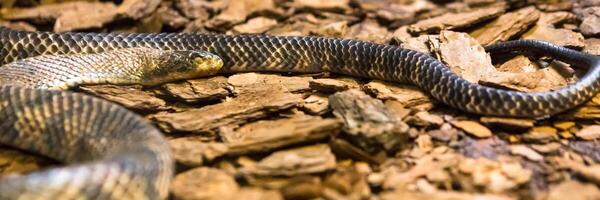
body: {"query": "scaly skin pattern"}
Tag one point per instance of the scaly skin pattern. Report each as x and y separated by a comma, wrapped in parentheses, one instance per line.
(307, 54)
(116, 154)
(128, 159)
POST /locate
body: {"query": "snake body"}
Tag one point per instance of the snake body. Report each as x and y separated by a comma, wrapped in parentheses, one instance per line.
(126, 158)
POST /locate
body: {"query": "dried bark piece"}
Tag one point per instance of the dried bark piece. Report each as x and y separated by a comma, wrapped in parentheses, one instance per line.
(330, 85)
(137, 9)
(247, 106)
(23, 26)
(395, 11)
(539, 81)
(472, 127)
(192, 152)
(425, 119)
(291, 162)
(197, 9)
(369, 31)
(346, 184)
(495, 176)
(445, 133)
(131, 97)
(592, 46)
(237, 11)
(268, 135)
(441, 195)
(407, 95)
(490, 148)
(587, 148)
(255, 25)
(170, 17)
(541, 134)
(198, 90)
(590, 25)
(507, 26)
(562, 37)
(333, 29)
(254, 81)
(420, 43)
(589, 132)
(316, 104)
(518, 64)
(549, 148)
(363, 115)
(53, 11)
(526, 152)
(565, 190)
(464, 56)
(451, 21)
(554, 18)
(425, 165)
(322, 5)
(345, 148)
(204, 183)
(591, 173)
(516, 124)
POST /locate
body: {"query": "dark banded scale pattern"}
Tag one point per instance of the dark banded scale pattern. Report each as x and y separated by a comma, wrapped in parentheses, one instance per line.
(33, 110)
(316, 54)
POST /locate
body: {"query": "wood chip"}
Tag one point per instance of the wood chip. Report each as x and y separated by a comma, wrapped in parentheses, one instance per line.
(590, 25)
(526, 152)
(464, 56)
(328, 5)
(131, 97)
(362, 115)
(565, 190)
(253, 81)
(329, 85)
(495, 176)
(508, 123)
(198, 90)
(451, 21)
(407, 95)
(204, 183)
(589, 132)
(474, 128)
(561, 37)
(369, 31)
(541, 134)
(268, 135)
(255, 26)
(441, 195)
(303, 160)
(192, 152)
(592, 46)
(237, 11)
(506, 26)
(316, 104)
(245, 107)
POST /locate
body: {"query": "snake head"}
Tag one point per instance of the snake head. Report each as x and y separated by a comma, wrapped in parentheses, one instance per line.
(170, 66)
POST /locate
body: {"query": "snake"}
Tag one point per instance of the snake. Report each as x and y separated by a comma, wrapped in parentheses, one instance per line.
(118, 155)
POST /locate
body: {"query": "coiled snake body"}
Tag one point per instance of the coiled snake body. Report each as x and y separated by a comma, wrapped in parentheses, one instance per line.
(145, 170)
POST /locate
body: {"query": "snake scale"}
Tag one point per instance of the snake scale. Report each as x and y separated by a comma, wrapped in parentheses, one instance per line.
(117, 167)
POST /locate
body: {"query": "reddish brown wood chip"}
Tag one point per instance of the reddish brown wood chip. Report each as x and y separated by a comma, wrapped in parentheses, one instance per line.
(507, 26)
(452, 21)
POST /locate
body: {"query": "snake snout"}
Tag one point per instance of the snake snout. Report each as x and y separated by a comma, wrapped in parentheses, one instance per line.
(206, 63)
